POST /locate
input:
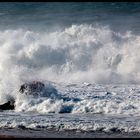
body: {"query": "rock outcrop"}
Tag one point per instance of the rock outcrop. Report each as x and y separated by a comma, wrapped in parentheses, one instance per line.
(32, 88)
(8, 105)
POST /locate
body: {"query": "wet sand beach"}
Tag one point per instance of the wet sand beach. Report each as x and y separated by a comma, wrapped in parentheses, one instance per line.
(29, 133)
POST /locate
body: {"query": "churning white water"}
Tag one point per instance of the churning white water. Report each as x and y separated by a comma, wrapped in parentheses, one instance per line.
(80, 53)
(85, 54)
(77, 54)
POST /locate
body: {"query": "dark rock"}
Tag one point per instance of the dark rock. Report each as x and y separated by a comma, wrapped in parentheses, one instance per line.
(32, 87)
(8, 105)
(37, 88)
(27, 88)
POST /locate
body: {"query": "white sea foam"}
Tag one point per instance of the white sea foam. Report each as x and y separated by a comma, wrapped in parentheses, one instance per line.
(89, 99)
(80, 53)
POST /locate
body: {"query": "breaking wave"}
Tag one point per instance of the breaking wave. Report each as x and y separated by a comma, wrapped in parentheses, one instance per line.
(80, 53)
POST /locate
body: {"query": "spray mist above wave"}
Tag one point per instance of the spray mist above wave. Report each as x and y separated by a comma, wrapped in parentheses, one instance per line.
(76, 54)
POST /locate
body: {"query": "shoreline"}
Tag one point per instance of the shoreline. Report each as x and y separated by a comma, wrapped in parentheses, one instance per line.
(47, 133)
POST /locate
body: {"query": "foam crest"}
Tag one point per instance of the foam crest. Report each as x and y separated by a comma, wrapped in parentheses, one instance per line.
(80, 53)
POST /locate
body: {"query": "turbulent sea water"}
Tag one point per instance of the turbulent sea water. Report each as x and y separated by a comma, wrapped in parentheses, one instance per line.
(87, 52)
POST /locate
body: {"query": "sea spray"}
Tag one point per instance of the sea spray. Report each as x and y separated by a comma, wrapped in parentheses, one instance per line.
(77, 54)
(80, 53)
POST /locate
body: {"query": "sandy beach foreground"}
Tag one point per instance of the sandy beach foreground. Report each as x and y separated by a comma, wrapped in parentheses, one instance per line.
(30, 133)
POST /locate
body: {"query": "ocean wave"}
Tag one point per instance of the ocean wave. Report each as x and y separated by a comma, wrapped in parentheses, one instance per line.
(80, 53)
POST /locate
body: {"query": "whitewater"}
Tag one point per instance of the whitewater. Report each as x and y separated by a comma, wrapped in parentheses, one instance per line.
(95, 66)
(90, 71)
